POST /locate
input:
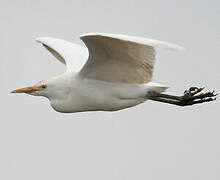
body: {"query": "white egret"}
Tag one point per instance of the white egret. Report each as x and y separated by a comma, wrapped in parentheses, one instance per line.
(117, 75)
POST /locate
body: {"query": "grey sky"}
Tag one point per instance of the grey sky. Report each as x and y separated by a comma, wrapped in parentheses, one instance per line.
(151, 141)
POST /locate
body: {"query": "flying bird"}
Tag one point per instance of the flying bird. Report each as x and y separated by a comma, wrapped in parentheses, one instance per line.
(112, 72)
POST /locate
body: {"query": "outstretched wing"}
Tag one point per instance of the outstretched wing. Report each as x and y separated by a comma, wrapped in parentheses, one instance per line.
(121, 58)
(73, 55)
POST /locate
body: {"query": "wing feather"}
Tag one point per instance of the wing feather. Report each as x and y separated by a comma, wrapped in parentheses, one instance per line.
(73, 55)
(121, 58)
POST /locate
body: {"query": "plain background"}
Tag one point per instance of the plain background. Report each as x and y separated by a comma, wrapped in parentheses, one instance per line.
(152, 141)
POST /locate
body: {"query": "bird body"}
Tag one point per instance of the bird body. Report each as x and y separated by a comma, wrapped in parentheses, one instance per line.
(117, 75)
(71, 93)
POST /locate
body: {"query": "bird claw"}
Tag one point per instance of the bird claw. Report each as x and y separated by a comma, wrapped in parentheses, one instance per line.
(193, 91)
(192, 96)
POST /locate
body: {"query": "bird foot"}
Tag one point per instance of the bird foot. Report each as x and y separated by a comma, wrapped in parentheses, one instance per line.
(193, 96)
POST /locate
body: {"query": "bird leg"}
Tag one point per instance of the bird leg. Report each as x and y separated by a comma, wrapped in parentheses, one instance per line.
(190, 97)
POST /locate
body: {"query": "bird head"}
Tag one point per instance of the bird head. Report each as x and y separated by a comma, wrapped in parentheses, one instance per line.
(39, 89)
(56, 87)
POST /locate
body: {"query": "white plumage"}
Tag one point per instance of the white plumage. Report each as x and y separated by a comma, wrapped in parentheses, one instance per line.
(115, 72)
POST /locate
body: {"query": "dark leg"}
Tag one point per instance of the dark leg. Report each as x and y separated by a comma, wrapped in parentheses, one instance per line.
(190, 97)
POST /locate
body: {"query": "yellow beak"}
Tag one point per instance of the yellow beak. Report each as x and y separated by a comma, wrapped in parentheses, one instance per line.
(27, 89)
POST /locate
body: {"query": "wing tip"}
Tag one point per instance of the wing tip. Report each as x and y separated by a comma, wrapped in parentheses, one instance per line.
(181, 48)
(46, 39)
(38, 39)
(178, 48)
(42, 39)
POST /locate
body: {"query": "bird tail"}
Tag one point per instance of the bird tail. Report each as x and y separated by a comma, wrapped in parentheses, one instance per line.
(156, 87)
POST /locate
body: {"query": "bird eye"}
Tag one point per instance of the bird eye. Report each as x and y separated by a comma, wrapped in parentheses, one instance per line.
(43, 86)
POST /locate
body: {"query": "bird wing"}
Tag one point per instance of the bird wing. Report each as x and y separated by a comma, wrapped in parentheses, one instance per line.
(121, 58)
(73, 55)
